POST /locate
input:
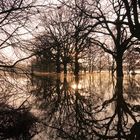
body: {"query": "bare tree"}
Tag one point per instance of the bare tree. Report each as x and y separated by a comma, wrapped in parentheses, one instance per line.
(56, 29)
(109, 25)
(14, 18)
(66, 35)
(80, 32)
(132, 12)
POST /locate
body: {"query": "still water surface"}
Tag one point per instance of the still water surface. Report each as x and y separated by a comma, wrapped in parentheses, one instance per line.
(86, 107)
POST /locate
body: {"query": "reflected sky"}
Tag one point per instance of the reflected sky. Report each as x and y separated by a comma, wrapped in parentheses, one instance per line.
(90, 107)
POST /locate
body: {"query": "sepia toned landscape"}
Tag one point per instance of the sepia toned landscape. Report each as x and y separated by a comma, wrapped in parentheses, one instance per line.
(69, 70)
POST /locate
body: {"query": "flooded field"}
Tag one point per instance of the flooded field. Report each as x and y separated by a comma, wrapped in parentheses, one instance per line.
(86, 107)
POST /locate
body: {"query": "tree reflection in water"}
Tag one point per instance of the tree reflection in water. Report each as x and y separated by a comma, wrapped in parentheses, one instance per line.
(16, 120)
(75, 108)
(80, 113)
(16, 124)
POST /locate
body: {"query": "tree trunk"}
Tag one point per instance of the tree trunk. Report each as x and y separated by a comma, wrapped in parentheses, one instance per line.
(58, 62)
(65, 68)
(120, 104)
(76, 70)
(119, 67)
(57, 66)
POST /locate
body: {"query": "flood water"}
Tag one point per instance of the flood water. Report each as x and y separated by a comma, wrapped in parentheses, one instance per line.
(87, 107)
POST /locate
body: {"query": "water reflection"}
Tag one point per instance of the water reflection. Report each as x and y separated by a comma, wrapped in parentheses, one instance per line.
(16, 120)
(85, 107)
(16, 124)
(88, 107)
